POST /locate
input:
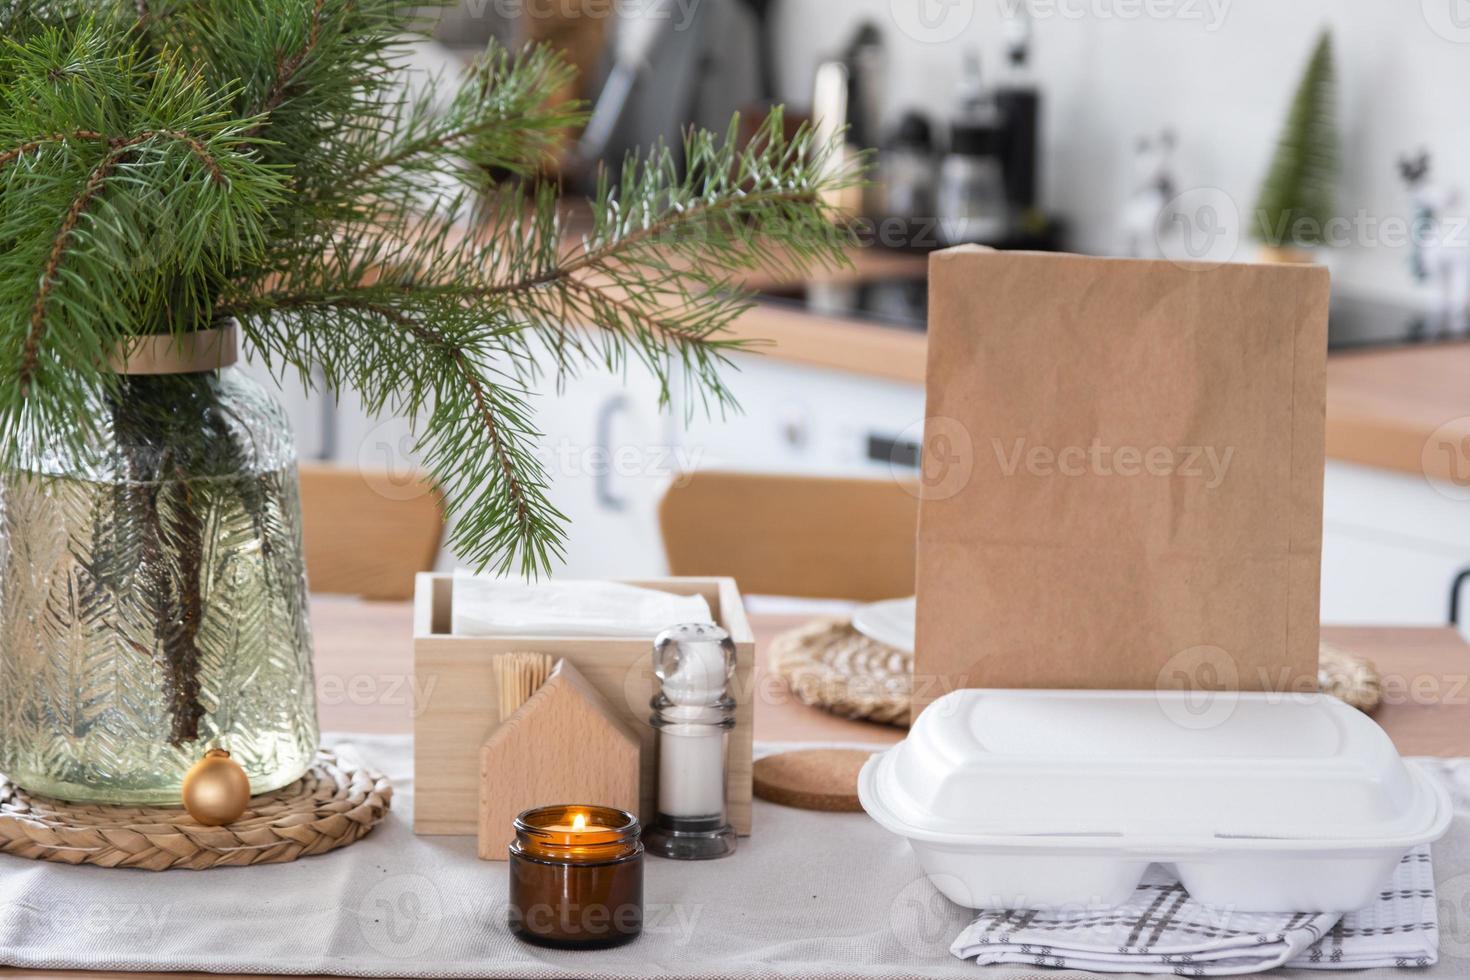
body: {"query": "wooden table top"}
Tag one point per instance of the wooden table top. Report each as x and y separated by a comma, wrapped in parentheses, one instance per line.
(364, 665)
(364, 656)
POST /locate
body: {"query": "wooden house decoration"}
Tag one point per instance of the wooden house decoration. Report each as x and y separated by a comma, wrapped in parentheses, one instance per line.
(564, 745)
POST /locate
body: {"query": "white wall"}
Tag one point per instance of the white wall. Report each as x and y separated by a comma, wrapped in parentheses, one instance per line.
(1220, 72)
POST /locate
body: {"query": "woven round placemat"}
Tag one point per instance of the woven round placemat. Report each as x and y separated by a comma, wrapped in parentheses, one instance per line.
(333, 805)
(1348, 676)
(830, 665)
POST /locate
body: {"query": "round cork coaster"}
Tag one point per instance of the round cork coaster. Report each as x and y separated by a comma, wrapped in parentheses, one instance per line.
(335, 804)
(812, 779)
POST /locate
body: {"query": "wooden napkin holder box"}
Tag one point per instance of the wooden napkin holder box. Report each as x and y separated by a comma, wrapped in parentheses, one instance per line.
(456, 701)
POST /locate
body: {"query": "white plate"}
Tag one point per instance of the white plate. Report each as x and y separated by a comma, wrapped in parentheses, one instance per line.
(890, 622)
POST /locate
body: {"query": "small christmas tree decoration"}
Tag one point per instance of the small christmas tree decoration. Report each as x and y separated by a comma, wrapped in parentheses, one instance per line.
(1298, 197)
(216, 790)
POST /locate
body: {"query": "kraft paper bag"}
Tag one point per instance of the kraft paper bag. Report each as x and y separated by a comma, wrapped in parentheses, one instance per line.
(1122, 474)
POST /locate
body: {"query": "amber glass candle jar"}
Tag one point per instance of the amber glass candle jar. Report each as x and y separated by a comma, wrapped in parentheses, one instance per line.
(576, 877)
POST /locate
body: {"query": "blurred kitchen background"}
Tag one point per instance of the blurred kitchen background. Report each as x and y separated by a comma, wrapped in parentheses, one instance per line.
(1113, 127)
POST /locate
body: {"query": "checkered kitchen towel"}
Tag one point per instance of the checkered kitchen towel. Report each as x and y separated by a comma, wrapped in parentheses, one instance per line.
(1160, 930)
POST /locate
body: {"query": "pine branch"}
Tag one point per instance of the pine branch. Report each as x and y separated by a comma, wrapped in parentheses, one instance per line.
(169, 164)
(30, 146)
(288, 67)
(656, 276)
(119, 149)
(425, 353)
(120, 144)
(53, 265)
(501, 119)
(125, 192)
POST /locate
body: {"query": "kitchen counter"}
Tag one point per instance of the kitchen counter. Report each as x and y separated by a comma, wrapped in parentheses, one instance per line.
(1383, 407)
(1383, 404)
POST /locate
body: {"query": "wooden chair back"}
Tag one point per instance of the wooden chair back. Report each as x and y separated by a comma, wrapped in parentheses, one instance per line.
(365, 535)
(818, 537)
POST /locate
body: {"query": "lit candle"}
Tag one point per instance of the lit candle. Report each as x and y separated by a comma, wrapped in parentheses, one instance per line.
(576, 877)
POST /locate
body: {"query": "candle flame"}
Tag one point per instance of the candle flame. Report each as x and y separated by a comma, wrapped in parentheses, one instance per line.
(579, 821)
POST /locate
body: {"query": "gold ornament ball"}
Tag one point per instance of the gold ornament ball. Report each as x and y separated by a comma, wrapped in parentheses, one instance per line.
(216, 789)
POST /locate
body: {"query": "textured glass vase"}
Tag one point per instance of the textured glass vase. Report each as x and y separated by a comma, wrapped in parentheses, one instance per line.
(153, 596)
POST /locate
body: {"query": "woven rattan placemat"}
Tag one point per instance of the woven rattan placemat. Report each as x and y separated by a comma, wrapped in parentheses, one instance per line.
(830, 665)
(334, 804)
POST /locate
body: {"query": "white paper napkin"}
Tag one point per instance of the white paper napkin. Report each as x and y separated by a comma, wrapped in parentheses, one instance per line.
(485, 606)
(1161, 930)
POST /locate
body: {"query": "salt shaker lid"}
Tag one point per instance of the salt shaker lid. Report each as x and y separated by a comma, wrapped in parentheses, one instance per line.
(693, 662)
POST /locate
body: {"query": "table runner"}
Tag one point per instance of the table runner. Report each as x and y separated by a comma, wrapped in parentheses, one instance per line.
(809, 895)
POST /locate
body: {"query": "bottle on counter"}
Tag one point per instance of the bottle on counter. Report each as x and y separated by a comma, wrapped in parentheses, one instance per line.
(1018, 100)
(907, 172)
(972, 204)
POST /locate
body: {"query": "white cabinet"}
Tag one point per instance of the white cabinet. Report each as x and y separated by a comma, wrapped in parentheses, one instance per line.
(1391, 547)
(798, 418)
(609, 452)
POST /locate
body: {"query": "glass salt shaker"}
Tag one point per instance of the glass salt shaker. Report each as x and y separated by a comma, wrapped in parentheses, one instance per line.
(693, 712)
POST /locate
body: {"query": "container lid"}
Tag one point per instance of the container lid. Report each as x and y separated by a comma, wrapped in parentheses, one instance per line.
(1185, 766)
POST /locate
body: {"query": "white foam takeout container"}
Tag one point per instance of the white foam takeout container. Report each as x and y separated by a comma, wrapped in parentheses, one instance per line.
(1055, 799)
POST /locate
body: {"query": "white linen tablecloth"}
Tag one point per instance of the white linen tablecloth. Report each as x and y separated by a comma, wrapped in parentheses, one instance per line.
(809, 895)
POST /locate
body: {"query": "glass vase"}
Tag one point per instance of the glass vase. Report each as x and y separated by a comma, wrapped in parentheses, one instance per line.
(153, 596)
